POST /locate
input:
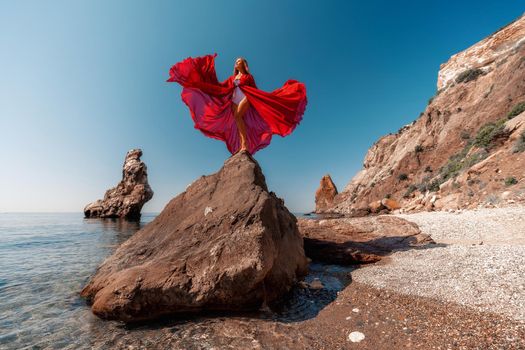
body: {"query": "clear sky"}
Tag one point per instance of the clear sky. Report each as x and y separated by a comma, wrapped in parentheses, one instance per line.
(82, 82)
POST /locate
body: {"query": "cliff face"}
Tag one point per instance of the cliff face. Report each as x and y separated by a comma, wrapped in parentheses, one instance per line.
(485, 54)
(467, 148)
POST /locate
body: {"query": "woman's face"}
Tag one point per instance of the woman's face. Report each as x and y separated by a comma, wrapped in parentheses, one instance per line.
(239, 65)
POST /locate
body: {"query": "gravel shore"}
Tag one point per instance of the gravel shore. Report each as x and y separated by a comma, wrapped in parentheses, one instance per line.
(362, 317)
(485, 225)
(465, 292)
(478, 261)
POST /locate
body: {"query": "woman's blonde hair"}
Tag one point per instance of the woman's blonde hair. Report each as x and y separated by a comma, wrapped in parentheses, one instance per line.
(236, 71)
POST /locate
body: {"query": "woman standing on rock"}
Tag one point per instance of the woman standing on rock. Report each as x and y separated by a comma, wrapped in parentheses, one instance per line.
(236, 111)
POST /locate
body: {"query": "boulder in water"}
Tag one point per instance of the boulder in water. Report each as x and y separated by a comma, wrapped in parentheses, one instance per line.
(226, 243)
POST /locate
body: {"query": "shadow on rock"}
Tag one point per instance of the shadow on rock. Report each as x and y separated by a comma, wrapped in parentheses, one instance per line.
(360, 240)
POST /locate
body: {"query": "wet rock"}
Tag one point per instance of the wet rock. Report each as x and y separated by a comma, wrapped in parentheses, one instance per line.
(226, 243)
(127, 198)
(316, 284)
(324, 196)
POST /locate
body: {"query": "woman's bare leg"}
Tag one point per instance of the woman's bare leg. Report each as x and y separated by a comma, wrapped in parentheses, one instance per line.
(239, 111)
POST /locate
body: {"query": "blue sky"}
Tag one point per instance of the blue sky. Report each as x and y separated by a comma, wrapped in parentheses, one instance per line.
(81, 82)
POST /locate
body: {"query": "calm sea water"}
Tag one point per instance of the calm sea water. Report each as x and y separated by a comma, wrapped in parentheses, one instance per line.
(46, 259)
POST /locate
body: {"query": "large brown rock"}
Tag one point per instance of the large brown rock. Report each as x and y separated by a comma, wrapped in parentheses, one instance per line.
(226, 243)
(127, 198)
(324, 196)
(359, 240)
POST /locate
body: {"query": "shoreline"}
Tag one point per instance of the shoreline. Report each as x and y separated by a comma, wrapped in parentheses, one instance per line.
(388, 320)
(388, 315)
(391, 309)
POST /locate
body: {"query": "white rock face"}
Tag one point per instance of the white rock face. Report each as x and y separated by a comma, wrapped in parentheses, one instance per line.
(208, 210)
(485, 54)
(356, 337)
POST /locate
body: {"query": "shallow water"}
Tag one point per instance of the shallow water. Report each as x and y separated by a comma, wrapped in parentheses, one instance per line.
(46, 259)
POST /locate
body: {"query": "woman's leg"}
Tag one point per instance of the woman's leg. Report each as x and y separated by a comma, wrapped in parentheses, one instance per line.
(239, 111)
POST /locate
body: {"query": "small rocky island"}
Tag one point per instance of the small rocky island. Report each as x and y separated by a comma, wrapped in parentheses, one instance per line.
(127, 198)
(226, 243)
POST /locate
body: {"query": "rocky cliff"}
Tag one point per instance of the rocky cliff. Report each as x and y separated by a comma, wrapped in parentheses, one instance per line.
(127, 198)
(466, 149)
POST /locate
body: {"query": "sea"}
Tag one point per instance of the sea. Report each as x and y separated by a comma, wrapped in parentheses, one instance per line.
(47, 258)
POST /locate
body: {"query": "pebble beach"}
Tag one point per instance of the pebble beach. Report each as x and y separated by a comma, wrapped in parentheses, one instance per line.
(478, 261)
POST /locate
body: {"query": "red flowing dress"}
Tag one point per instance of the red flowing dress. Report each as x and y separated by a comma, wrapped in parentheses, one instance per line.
(210, 104)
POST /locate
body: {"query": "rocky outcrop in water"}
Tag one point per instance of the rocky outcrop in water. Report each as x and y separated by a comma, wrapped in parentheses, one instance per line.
(324, 196)
(226, 243)
(127, 198)
(467, 148)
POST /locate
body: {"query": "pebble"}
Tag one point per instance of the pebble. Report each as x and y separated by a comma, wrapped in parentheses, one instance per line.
(316, 284)
(356, 337)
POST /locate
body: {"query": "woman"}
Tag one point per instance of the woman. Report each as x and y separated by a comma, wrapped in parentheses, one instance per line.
(236, 111)
(240, 102)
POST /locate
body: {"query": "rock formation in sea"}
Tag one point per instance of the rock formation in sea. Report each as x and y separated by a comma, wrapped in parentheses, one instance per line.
(127, 198)
(466, 149)
(324, 196)
(226, 243)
